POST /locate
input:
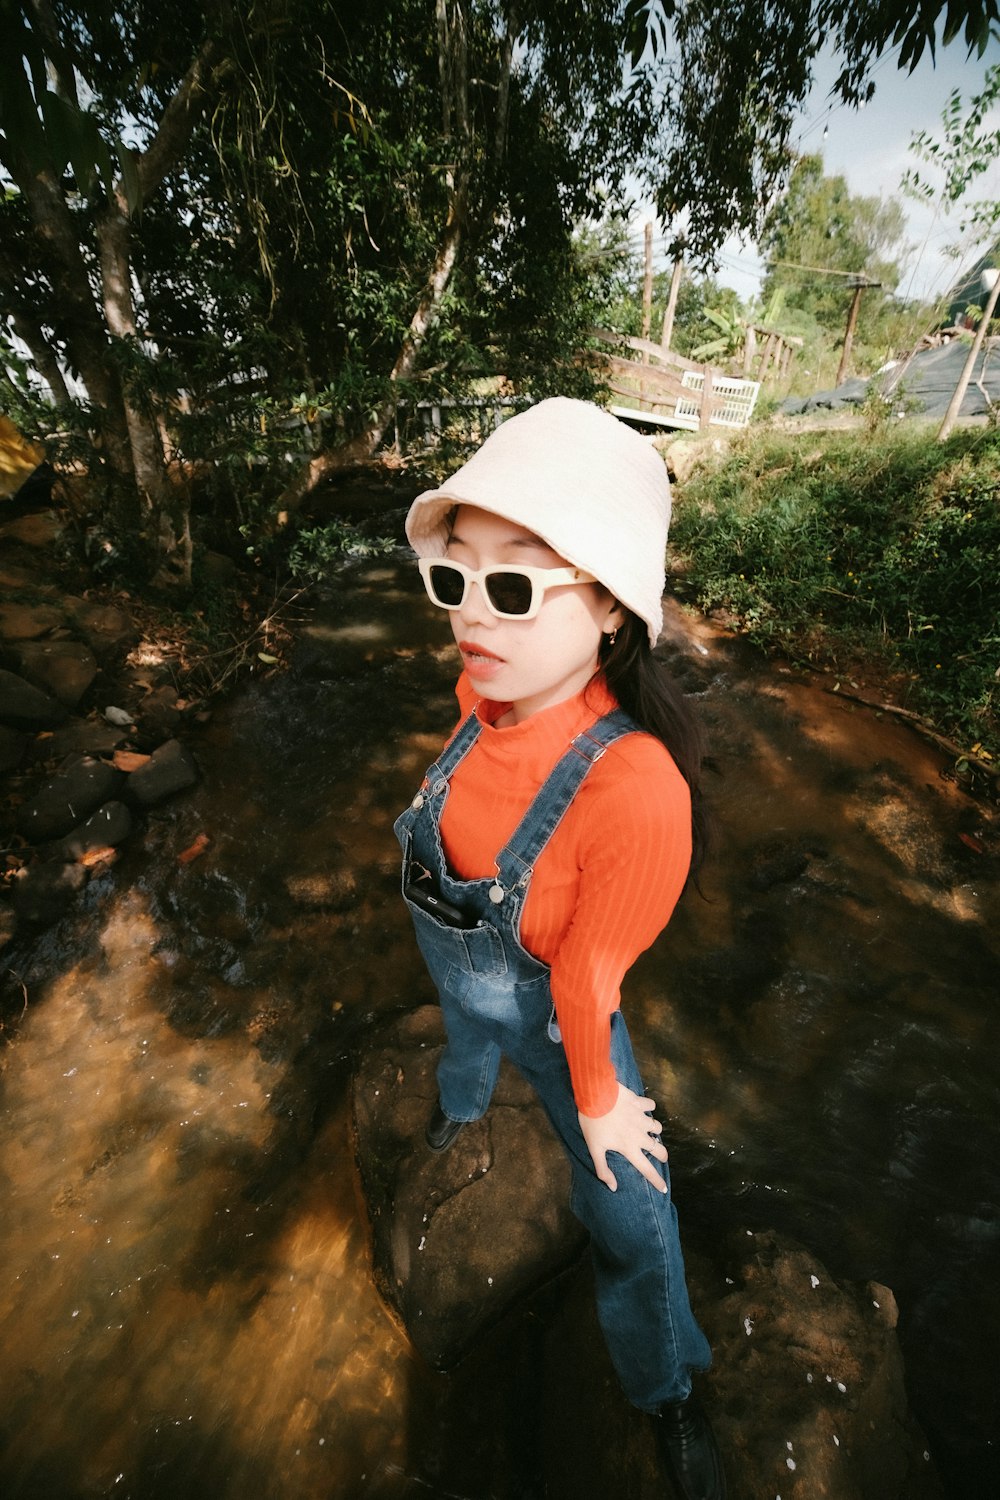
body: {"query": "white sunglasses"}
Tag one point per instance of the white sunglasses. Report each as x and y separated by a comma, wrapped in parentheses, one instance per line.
(510, 593)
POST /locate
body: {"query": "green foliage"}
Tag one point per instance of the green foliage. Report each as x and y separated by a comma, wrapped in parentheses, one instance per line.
(817, 227)
(969, 146)
(317, 550)
(842, 547)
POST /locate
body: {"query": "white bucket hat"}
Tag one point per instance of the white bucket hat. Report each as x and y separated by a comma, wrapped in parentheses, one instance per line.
(576, 476)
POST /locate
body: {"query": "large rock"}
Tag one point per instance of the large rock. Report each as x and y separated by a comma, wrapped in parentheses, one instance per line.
(171, 768)
(39, 529)
(25, 707)
(458, 1237)
(65, 669)
(106, 629)
(807, 1389)
(28, 622)
(67, 800)
(806, 1392)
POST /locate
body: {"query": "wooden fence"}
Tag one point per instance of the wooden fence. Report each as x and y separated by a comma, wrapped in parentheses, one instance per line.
(663, 389)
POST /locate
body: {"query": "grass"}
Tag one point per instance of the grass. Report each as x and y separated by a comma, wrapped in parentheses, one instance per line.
(879, 547)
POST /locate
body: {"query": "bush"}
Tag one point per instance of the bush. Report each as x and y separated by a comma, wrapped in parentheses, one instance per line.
(882, 545)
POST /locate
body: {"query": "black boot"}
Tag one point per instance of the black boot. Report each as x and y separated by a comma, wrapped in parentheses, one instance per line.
(441, 1131)
(690, 1451)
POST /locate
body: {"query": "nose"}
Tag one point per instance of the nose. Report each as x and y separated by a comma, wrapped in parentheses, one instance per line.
(474, 610)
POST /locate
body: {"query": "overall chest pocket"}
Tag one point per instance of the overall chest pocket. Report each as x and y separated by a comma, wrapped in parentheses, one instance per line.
(470, 951)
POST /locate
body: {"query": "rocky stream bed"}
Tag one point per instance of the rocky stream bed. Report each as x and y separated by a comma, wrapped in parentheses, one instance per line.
(230, 1260)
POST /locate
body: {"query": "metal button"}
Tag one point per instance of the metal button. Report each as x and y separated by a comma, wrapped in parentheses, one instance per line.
(496, 894)
(417, 802)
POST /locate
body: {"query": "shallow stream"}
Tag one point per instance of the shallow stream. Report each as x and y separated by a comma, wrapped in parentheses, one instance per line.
(187, 1308)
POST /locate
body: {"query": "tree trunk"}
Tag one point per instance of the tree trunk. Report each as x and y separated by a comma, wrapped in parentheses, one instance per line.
(164, 521)
(503, 89)
(955, 405)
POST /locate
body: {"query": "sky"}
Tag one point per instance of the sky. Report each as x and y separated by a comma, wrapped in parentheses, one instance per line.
(870, 148)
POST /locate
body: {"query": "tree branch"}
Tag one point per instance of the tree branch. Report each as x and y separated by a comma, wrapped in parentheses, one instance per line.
(179, 118)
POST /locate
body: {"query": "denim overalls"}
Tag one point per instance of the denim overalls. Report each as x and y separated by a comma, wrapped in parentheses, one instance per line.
(495, 999)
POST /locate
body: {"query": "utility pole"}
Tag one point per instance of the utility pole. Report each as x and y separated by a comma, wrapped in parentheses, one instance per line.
(647, 285)
(668, 316)
(860, 283)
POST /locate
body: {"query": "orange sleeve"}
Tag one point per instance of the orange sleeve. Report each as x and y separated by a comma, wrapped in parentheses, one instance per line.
(634, 855)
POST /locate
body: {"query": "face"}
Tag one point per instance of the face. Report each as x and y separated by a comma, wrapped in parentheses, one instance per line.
(531, 664)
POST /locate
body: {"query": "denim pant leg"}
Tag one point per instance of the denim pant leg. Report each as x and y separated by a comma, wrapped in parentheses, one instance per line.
(468, 1066)
(642, 1299)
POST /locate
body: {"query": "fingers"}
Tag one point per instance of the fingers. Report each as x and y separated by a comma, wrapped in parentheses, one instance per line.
(606, 1175)
(650, 1173)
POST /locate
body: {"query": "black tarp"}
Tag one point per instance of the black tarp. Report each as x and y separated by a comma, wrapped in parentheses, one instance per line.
(930, 378)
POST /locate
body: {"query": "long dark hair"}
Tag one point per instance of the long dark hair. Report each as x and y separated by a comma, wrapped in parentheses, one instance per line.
(646, 691)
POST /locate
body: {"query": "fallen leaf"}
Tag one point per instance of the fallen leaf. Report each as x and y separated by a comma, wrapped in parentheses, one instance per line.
(199, 846)
(972, 843)
(271, 661)
(104, 855)
(129, 760)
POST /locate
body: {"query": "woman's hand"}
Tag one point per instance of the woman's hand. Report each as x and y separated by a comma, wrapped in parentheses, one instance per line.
(630, 1129)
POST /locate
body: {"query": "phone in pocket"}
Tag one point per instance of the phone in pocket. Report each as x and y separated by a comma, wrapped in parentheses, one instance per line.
(419, 890)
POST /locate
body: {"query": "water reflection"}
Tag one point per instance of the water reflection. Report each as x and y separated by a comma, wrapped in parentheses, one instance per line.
(187, 1308)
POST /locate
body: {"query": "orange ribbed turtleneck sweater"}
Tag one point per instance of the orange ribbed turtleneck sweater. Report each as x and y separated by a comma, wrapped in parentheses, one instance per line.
(608, 880)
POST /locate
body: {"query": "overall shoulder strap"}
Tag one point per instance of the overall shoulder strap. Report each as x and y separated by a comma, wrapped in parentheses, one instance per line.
(456, 750)
(516, 860)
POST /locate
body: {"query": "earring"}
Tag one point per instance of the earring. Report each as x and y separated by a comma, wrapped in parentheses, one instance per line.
(612, 636)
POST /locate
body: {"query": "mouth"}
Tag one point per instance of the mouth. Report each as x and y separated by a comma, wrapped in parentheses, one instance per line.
(475, 655)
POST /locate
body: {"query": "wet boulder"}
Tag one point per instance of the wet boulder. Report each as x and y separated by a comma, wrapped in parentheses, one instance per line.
(109, 826)
(458, 1237)
(25, 707)
(806, 1392)
(172, 768)
(827, 1356)
(67, 800)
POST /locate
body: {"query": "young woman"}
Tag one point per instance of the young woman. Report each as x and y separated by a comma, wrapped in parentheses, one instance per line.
(550, 841)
